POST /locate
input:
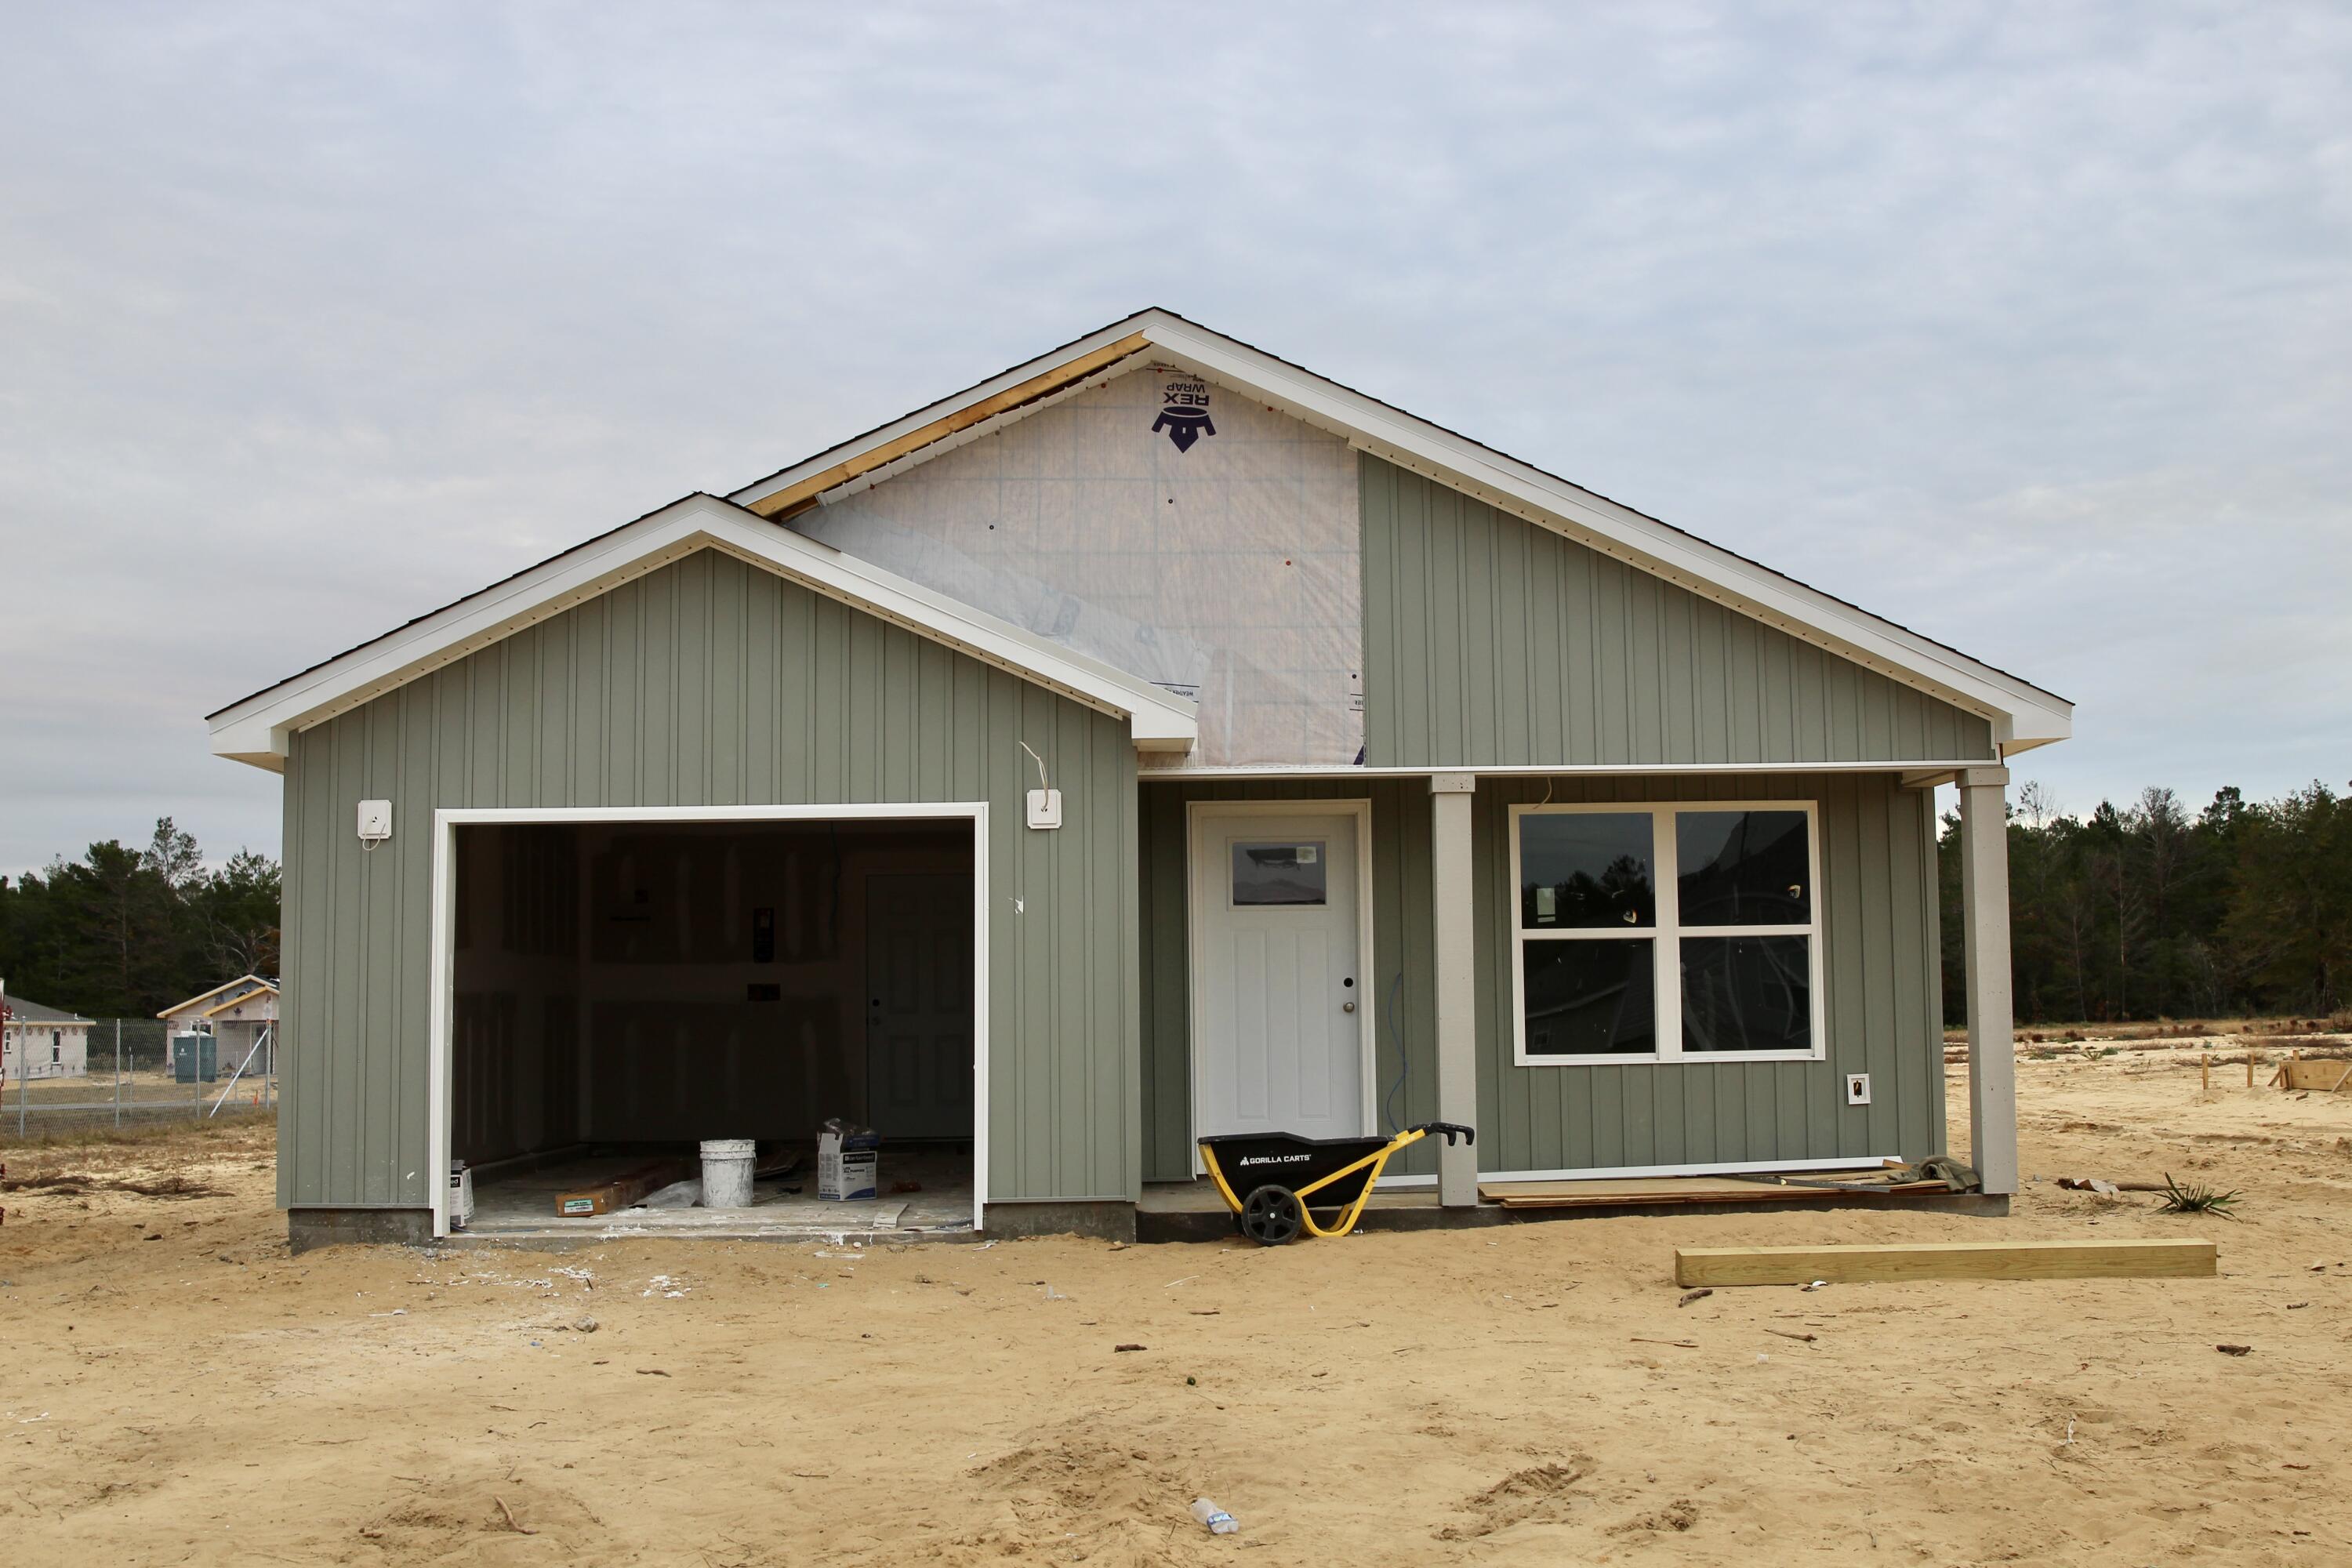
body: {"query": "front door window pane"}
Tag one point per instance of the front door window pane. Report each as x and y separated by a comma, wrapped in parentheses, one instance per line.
(1743, 868)
(1589, 997)
(1583, 870)
(1280, 874)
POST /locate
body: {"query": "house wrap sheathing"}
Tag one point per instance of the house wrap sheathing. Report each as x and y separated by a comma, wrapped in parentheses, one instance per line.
(1217, 555)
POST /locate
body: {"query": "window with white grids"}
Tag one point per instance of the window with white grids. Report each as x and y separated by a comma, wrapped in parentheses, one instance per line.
(1689, 932)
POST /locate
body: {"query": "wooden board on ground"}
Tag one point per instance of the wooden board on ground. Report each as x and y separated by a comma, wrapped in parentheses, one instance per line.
(1679, 1190)
(1638, 1190)
(2328, 1076)
(623, 1189)
(1946, 1260)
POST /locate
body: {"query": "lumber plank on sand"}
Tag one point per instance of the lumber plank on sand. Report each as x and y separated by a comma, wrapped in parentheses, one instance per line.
(621, 1191)
(2121, 1259)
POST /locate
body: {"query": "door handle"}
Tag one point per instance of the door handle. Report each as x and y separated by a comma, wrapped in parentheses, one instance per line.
(1347, 1007)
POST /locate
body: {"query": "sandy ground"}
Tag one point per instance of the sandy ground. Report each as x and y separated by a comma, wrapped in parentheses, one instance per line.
(97, 1086)
(175, 1388)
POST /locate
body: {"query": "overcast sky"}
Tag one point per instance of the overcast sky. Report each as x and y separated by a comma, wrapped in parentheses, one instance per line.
(2028, 327)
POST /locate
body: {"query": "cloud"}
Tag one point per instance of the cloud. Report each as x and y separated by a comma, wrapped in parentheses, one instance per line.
(2026, 327)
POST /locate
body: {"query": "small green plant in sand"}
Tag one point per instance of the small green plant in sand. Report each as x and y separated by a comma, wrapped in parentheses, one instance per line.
(2194, 1199)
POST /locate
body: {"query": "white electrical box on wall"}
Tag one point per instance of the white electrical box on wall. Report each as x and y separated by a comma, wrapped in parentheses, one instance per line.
(375, 821)
(1857, 1088)
(1045, 808)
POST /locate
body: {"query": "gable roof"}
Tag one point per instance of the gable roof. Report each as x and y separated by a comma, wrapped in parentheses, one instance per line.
(257, 729)
(23, 1012)
(2022, 715)
(244, 985)
(241, 998)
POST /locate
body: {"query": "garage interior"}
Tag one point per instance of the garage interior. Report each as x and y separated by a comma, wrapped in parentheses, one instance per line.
(624, 991)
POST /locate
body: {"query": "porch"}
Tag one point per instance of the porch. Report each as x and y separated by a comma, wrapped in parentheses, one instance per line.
(1195, 1210)
(1441, 993)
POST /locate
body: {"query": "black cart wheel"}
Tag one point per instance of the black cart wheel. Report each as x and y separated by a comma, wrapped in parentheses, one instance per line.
(1271, 1215)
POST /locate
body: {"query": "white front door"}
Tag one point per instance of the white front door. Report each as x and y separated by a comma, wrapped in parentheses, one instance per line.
(1279, 987)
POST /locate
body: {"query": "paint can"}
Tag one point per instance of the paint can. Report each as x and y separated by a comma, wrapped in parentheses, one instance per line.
(727, 1171)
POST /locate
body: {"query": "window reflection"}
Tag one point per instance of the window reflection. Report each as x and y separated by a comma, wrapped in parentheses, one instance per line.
(1586, 870)
(1589, 997)
(1748, 993)
(1742, 868)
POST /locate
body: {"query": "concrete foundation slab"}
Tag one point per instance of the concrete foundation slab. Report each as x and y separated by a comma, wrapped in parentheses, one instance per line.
(310, 1228)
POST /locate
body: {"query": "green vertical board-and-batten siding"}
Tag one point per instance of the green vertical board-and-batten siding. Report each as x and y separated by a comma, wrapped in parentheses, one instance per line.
(710, 682)
(1489, 641)
(1882, 1014)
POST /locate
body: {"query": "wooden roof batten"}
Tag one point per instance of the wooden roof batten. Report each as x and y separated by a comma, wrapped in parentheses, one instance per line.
(803, 493)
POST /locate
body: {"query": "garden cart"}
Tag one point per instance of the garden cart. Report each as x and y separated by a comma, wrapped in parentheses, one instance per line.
(1273, 1181)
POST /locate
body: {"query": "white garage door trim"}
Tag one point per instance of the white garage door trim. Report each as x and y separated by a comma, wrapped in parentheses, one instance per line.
(1199, 812)
(446, 820)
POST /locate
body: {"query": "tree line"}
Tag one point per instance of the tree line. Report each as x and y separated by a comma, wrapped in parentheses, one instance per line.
(124, 932)
(2144, 911)
(2148, 912)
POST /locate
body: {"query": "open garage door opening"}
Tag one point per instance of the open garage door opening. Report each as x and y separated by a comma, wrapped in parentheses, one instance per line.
(621, 992)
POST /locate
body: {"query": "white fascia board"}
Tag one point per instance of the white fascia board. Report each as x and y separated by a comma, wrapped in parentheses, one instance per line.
(2022, 715)
(258, 729)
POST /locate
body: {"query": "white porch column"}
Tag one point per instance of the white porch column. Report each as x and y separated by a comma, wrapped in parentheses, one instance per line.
(1450, 797)
(1984, 915)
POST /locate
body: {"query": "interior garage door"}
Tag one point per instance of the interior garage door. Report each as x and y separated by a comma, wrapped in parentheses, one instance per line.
(918, 1018)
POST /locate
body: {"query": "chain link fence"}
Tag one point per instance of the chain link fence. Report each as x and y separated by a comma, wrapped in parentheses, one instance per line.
(131, 1073)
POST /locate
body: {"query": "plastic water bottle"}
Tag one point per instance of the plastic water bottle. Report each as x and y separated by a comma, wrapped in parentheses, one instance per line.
(1219, 1522)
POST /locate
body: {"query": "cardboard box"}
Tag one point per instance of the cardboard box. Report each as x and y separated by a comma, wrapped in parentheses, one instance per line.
(846, 1163)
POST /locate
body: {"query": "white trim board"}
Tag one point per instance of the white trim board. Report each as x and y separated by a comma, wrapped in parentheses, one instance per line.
(1367, 1021)
(1928, 773)
(2022, 715)
(257, 728)
(446, 820)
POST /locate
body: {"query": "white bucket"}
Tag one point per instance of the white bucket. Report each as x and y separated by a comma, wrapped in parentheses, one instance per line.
(727, 1171)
